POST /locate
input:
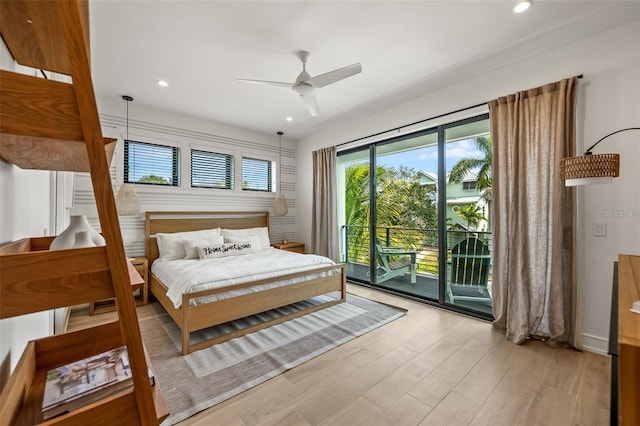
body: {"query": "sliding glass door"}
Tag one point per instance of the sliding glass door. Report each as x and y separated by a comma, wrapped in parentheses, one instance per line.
(354, 210)
(409, 205)
(468, 242)
(406, 215)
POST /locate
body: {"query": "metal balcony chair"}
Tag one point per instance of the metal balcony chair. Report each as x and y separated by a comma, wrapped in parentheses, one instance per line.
(470, 261)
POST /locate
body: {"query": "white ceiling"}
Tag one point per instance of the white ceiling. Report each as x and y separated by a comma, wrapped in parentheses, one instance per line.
(406, 48)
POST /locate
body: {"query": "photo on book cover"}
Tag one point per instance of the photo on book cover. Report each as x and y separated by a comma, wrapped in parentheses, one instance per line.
(78, 379)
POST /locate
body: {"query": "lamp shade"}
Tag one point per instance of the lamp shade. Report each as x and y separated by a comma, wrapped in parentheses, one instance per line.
(127, 201)
(592, 168)
(589, 169)
(280, 205)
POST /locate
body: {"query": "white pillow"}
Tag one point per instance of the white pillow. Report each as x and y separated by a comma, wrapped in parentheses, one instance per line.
(226, 249)
(262, 233)
(254, 240)
(191, 246)
(171, 246)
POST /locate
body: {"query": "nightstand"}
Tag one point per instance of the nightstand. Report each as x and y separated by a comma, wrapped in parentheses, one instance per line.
(141, 265)
(290, 246)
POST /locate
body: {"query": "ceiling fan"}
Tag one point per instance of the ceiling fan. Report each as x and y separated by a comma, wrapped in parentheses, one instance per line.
(305, 85)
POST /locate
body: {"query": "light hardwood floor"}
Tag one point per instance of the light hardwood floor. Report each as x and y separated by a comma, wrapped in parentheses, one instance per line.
(430, 367)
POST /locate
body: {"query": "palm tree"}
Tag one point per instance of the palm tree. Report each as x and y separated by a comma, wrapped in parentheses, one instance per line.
(465, 165)
(472, 213)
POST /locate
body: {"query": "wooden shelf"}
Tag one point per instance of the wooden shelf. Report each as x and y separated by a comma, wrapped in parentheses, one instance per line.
(40, 126)
(42, 355)
(32, 279)
(34, 33)
(51, 125)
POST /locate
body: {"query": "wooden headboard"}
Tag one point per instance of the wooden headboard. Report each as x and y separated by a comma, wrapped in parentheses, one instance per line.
(155, 222)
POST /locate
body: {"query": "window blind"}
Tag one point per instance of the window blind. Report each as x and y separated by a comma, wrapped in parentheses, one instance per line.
(150, 163)
(257, 175)
(211, 170)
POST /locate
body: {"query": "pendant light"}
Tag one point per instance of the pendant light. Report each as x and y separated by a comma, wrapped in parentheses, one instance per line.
(127, 201)
(280, 203)
(591, 168)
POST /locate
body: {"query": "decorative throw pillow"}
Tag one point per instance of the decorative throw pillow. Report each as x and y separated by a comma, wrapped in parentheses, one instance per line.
(226, 249)
(262, 233)
(191, 246)
(254, 240)
(171, 246)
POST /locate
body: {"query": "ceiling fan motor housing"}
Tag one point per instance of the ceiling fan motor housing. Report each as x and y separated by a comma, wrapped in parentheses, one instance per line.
(303, 88)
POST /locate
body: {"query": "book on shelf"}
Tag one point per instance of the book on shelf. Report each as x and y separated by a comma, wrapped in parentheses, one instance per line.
(80, 383)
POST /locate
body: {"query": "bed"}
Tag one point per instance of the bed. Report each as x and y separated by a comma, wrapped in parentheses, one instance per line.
(206, 302)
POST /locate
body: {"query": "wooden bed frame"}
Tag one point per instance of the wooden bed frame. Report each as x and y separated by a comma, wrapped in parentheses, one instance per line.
(197, 317)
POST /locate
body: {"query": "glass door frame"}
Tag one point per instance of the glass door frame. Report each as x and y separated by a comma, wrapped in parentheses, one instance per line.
(441, 211)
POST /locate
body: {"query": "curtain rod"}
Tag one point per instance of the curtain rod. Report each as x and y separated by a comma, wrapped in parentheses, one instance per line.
(417, 122)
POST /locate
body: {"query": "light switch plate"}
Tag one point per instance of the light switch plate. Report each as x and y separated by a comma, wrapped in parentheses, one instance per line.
(600, 229)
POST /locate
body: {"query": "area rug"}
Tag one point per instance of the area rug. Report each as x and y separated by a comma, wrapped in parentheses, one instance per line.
(200, 380)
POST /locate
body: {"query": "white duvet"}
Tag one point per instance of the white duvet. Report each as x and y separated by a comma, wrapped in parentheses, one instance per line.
(192, 275)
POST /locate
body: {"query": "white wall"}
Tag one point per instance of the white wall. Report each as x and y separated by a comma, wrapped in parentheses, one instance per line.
(147, 124)
(24, 212)
(27, 206)
(609, 100)
(612, 102)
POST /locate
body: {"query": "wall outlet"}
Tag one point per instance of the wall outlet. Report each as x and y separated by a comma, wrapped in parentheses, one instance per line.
(600, 229)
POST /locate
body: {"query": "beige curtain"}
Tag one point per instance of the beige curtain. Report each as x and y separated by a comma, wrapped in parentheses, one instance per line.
(324, 221)
(534, 277)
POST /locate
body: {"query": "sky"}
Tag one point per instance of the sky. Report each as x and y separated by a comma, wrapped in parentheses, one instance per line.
(426, 159)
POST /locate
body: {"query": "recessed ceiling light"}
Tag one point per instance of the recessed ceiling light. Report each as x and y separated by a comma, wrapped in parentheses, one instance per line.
(522, 6)
(162, 83)
(289, 118)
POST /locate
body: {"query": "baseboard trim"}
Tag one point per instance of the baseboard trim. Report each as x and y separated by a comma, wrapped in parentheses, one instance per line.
(595, 344)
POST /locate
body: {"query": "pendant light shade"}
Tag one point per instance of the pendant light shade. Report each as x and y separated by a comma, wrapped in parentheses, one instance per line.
(280, 203)
(127, 201)
(589, 169)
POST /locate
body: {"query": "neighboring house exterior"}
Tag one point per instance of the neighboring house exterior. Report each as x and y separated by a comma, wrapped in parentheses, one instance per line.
(460, 194)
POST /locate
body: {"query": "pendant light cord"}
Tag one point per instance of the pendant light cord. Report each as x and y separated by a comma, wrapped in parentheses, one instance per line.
(280, 165)
(588, 151)
(129, 99)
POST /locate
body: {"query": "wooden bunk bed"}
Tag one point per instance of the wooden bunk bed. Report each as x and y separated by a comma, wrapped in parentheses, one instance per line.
(191, 318)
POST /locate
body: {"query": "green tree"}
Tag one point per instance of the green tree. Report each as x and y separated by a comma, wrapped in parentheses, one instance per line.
(392, 193)
(401, 199)
(401, 202)
(154, 179)
(357, 194)
(472, 213)
(420, 209)
(465, 165)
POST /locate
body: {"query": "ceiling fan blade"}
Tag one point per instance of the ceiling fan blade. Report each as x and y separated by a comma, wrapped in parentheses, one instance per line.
(335, 75)
(311, 103)
(271, 83)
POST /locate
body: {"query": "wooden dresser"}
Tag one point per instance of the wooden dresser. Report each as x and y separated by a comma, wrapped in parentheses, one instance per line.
(628, 341)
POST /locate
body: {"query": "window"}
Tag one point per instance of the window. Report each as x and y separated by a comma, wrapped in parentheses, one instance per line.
(151, 163)
(471, 185)
(211, 170)
(257, 175)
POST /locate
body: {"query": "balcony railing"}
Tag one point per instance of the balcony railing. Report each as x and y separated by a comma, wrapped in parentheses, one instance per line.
(356, 248)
